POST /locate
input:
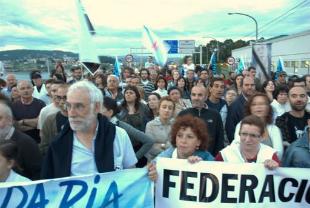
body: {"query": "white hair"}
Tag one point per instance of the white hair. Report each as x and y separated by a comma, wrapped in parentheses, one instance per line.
(5, 109)
(95, 94)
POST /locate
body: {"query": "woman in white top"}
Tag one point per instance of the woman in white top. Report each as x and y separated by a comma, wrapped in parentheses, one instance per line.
(161, 87)
(280, 104)
(259, 106)
(249, 149)
(8, 153)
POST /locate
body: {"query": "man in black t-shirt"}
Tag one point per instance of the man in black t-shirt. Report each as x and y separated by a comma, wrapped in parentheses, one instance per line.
(293, 123)
(26, 111)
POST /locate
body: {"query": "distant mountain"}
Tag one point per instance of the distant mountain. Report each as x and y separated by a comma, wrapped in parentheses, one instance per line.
(28, 54)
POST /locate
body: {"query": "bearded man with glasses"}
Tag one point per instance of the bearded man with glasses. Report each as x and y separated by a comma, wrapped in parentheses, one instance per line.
(89, 143)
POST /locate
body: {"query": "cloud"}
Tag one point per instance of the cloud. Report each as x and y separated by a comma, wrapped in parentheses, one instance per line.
(37, 24)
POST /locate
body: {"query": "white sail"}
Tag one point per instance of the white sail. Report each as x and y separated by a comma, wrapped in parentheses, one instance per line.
(88, 55)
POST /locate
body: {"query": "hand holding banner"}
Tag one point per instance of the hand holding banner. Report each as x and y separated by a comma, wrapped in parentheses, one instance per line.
(219, 184)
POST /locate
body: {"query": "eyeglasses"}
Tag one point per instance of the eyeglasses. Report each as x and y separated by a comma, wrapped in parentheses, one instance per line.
(76, 106)
(245, 134)
(61, 97)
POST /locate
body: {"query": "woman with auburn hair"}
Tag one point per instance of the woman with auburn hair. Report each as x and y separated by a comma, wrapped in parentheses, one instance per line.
(59, 69)
(189, 140)
(259, 105)
(250, 148)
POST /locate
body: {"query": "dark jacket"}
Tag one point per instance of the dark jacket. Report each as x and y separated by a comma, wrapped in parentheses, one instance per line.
(58, 159)
(297, 154)
(144, 116)
(29, 157)
(234, 116)
(214, 124)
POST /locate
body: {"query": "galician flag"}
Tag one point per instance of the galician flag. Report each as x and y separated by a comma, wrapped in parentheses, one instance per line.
(117, 67)
(157, 46)
(280, 67)
(240, 67)
(88, 55)
(212, 64)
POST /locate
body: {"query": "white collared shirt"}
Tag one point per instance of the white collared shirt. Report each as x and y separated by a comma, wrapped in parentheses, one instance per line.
(83, 159)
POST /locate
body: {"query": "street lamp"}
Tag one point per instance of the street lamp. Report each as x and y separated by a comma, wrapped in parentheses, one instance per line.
(217, 46)
(232, 13)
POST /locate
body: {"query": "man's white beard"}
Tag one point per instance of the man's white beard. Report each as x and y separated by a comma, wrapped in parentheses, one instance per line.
(4, 131)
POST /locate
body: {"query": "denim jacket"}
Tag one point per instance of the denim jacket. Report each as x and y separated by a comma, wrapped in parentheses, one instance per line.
(205, 155)
(298, 153)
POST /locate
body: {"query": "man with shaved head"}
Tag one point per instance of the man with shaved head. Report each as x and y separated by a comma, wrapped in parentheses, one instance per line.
(211, 117)
(26, 111)
(292, 124)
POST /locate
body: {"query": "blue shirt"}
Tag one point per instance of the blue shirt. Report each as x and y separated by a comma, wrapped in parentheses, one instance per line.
(83, 159)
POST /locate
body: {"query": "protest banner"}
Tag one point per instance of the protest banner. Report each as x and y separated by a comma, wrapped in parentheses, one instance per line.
(126, 188)
(219, 184)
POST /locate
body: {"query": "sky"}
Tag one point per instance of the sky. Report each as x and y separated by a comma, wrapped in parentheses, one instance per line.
(54, 25)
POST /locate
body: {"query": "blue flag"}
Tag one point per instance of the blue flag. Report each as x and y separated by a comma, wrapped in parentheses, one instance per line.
(212, 64)
(240, 67)
(117, 67)
(280, 67)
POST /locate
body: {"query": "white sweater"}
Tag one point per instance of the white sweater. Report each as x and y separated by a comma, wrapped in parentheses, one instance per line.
(232, 153)
(275, 136)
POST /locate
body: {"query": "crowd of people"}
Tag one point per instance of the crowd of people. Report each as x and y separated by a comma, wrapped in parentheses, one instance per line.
(72, 125)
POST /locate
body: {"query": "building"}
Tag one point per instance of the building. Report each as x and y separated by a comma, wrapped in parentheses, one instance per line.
(293, 49)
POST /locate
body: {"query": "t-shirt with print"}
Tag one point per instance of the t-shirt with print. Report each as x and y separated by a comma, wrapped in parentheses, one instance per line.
(297, 126)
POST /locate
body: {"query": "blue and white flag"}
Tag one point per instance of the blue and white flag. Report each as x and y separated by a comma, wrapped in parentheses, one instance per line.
(125, 188)
(157, 46)
(117, 67)
(241, 66)
(212, 64)
(280, 67)
(88, 55)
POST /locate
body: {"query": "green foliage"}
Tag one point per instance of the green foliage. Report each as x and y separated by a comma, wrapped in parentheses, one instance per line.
(225, 49)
